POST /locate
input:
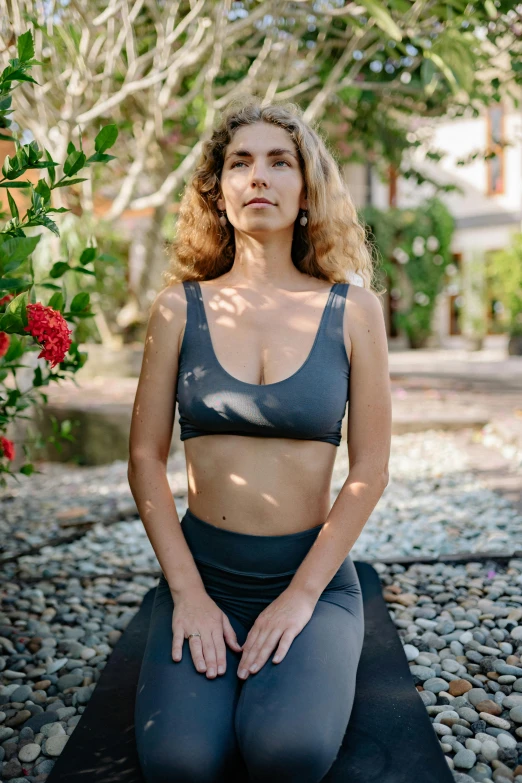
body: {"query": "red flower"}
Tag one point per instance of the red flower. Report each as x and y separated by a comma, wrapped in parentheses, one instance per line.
(7, 447)
(6, 298)
(49, 328)
(4, 343)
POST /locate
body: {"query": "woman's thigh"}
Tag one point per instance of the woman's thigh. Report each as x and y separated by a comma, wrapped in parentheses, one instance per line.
(291, 717)
(184, 721)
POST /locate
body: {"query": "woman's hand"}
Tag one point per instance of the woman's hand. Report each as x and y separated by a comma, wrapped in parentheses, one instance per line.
(197, 612)
(278, 624)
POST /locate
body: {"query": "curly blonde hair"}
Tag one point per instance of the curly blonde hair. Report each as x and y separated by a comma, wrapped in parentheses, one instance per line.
(333, 245)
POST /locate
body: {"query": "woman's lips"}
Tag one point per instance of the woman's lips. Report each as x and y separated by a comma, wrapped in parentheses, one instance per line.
(260, 204)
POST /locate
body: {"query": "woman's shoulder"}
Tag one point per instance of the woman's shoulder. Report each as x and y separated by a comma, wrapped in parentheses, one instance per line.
(170, 306)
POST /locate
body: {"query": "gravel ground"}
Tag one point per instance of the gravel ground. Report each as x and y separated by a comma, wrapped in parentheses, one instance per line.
(65, 605)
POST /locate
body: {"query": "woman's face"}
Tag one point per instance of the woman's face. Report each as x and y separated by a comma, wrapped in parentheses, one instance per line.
(261, 161)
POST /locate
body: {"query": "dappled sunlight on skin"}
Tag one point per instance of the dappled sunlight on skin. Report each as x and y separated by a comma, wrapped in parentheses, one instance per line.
(167, 313)
(290, 324)
(295, 475)
(269, 499)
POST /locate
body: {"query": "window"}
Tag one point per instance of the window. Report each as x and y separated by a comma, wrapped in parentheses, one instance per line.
(495, 164)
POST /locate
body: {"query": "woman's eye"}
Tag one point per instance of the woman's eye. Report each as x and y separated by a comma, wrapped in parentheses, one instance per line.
(240, 162)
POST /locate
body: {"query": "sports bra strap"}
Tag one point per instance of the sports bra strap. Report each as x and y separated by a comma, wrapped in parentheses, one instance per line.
(195, 312)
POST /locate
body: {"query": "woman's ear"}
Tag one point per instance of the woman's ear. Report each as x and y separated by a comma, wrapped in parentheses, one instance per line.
(220, 203)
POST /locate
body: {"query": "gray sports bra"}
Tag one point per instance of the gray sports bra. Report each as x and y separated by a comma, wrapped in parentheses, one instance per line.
(308, 405)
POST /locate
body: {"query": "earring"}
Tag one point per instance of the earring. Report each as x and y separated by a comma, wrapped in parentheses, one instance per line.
(223, 218)
(304, 220)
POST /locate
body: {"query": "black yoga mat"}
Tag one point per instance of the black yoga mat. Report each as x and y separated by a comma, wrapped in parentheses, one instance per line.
(389, 738)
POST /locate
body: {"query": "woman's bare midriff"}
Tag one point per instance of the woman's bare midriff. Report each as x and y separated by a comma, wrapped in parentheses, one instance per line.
(259, 486)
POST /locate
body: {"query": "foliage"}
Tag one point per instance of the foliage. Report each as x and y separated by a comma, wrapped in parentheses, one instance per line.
(504, 271)
(415, 247)
(27, 325)
(373, 74)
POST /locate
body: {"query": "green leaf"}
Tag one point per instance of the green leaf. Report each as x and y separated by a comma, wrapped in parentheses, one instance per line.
(11, 75)
(25, 46)
(100, 157)
(15, 184)
(382, 18)
(80, 302)
(16, 249)
(74, 162)
(65, 183)
(42, 188)
(48, 223)
(11, 323)
(52, 173)
(17, 305)
(15, 350)
(489, 5)
(57, 301)
(83, 271)
(44, 164)
(402, 6)
(76, 314)
(12, 206)
(106, 138)
(23, 77)
(58, 269)
(15, 313)
(444, 69)
(88, 255)
(8, 283)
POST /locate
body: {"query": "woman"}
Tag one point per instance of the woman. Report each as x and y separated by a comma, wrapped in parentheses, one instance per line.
(255, 336)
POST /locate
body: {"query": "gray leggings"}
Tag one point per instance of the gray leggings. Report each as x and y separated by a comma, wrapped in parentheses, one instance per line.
(284, 723)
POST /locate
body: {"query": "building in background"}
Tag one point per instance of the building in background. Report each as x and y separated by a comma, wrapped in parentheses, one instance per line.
(487, 212)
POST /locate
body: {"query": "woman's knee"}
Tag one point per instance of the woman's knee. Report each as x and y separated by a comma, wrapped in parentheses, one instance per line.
(179, 760)
(288, 757)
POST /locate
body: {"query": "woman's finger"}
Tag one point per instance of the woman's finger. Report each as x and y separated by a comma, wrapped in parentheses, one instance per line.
(253, 651)
(266, 650)
(251, 639)
(230, 634)
(209, 653)
(177, 642)
(261, 654)
(221, 654)
(283, 646)
(196, 650)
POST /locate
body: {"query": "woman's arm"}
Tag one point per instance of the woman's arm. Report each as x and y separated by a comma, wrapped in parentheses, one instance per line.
(369, 440)
(150, 437)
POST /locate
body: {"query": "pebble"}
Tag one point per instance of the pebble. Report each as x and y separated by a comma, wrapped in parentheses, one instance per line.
(29, 752)
(498, 723)
(465, 759)
(55, 745)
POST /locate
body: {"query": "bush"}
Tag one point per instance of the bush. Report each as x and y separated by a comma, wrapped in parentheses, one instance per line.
(26, 324)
